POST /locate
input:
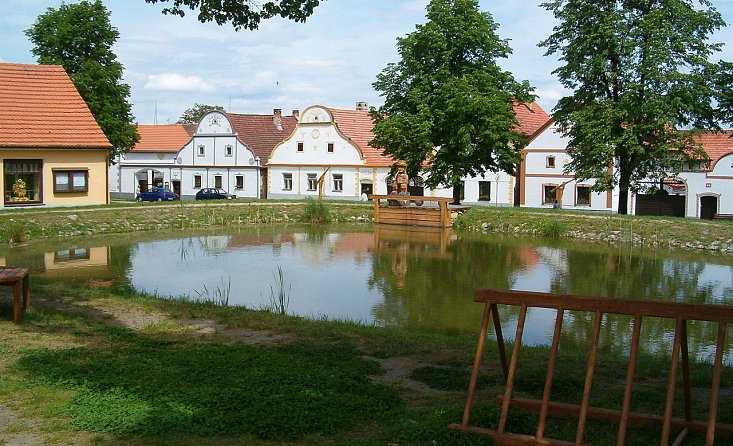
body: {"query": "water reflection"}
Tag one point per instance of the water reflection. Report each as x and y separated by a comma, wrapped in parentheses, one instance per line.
(394, 276)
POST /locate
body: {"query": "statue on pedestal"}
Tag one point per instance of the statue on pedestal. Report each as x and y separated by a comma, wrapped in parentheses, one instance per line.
(399, 184)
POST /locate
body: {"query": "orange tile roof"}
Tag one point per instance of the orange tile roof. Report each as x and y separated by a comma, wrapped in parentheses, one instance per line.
(260, 133)
(40, 107)
(161, 138)
(532, 118)
(716, 144)
(357, 125)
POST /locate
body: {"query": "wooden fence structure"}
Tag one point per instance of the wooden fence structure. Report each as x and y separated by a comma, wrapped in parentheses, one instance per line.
(681, 313)
(408, 214)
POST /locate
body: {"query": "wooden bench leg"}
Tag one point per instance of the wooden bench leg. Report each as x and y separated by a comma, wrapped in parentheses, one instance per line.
(26, 293)
(17, 309)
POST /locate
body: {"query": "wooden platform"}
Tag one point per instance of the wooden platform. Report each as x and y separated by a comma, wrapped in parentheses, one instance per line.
(438, 215)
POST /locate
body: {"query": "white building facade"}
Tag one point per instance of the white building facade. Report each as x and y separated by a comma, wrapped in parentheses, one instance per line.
(327, 154)
(213, 157)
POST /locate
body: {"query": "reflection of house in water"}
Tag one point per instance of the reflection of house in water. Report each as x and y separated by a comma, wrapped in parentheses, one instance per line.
(71, 263)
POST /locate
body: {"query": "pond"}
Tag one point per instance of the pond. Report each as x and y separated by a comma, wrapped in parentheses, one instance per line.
(391, 276)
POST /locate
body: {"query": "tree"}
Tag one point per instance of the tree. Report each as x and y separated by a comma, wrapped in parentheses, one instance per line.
(79, 37)
(640, 72)
(194, 114)
(447, 101)
(242, 13)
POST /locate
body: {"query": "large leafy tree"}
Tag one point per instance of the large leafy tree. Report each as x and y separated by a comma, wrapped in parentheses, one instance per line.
(80, 37)
(447, 101)
(242, 13)
(639, 71)
(194, 114)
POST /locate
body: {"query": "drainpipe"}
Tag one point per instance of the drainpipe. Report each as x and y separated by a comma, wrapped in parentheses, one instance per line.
(259, 190)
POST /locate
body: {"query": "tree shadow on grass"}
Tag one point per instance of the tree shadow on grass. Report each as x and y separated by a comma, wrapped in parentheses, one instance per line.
(140, 386)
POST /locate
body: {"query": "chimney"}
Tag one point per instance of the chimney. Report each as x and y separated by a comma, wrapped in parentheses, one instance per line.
(277, 118)
(296, 114)
(361, 105)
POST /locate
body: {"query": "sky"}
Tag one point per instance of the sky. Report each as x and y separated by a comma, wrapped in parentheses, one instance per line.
(332, 59)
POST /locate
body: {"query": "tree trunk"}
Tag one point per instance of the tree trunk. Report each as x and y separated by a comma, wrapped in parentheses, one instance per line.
(623, 201)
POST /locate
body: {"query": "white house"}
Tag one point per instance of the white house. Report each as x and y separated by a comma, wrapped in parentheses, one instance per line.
(329, 146)
(543, 182)
(701, 191)
(217, 153)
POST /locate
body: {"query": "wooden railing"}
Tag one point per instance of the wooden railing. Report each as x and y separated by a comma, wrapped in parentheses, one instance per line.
(681, 313)
(411, 215)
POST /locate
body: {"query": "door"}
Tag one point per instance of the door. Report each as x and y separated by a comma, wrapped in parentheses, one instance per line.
(708, 207)
(367, 188)
(177, 187)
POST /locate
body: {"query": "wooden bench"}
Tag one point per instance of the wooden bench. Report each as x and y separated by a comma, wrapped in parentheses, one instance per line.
(14, 276)
(680, 313)
(723, 217)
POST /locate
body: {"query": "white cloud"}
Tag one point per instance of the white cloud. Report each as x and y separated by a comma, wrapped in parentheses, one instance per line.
(177, 82)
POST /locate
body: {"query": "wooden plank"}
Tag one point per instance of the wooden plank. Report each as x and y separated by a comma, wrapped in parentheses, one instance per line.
(565, 410)
(672, 310)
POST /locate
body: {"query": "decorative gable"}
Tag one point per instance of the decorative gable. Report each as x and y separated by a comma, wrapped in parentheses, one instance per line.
(214, 123)
(316, 115)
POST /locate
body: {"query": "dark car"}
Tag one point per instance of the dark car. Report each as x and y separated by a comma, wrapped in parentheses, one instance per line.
(210, 193)
(156, 194)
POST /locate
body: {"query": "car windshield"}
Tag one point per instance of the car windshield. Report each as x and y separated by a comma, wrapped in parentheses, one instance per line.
(220, 191)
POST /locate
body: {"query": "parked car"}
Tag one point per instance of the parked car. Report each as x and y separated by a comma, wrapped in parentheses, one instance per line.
(210, 193)
(156, 194)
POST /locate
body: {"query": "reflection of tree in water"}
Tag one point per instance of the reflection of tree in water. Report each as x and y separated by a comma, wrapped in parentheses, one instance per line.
(635, 277)
(422, 288)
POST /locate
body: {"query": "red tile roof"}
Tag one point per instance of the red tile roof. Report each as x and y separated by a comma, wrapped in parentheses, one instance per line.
(357, 125)
(161, 138)
(532, 118)
(40, 107)
(716, 144)
(260, 133)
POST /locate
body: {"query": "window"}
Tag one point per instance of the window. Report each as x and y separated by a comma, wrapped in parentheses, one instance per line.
(550, 162)
(287, 181)
(228, 150)
(71, 254)
(23, 181)
(549, 195)
(197, 181)
(202, 150)
(217, 181)
(312, 181)
(239, 181)
(484, 191)
(338, 182)
(582, 194)
(70, 180)
(300, 147)
(330, 147)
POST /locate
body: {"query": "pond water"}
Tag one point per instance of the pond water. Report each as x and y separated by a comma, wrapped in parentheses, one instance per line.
(388, 275)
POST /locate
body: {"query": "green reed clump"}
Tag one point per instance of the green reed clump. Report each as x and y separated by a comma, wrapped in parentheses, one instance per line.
(316, 211)
(552, 228)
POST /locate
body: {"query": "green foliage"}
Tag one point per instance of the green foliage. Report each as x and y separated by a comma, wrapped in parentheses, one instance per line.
(449, 92)
(315, 211)
(639, 71)
(242, 14)
(79, 37)
(194, 114)
(552, 228)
